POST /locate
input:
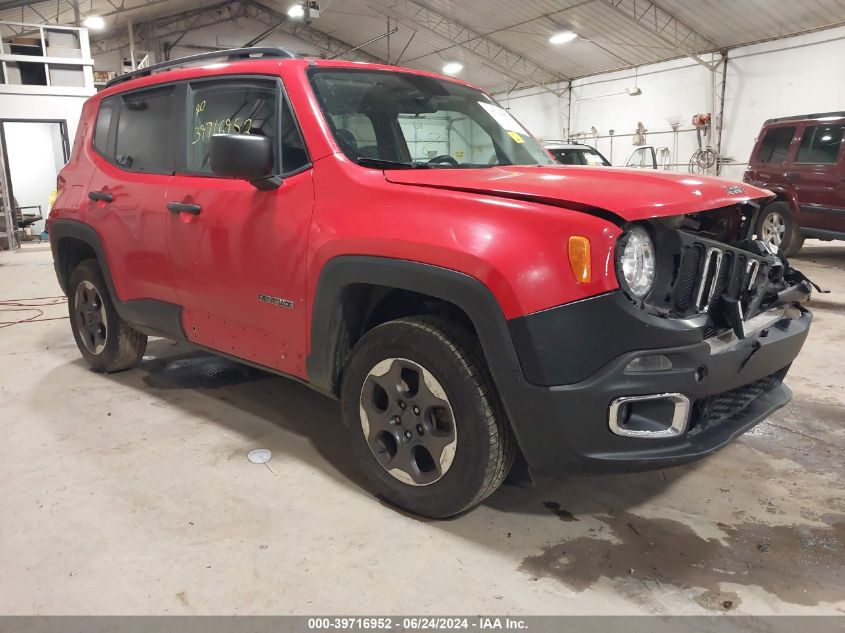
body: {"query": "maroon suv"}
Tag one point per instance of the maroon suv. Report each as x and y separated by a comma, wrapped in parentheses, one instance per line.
(801, 160)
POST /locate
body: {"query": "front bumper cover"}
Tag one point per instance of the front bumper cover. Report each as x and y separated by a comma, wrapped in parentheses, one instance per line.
(564, 428)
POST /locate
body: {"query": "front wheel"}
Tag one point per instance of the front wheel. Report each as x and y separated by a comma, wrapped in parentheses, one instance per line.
(425, 419)
(776, 226)
(106, 341)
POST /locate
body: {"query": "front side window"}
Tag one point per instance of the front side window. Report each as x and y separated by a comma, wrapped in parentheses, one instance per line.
(820, 144)
(775, 145)
(144, 131)
(223, 107)
(401, 120)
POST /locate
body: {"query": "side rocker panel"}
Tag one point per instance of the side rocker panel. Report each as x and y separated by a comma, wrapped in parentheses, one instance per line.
(150, 316)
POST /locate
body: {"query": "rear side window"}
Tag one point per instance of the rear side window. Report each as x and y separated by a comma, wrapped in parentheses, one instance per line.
(820, 144)
(144, 132)
(101, 132)
(223, 107)
(775, 146)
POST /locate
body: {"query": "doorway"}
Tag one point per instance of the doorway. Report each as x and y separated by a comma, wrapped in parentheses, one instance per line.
(33, 153)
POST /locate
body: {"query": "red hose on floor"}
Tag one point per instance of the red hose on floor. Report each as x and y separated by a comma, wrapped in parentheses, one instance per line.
(31, 304)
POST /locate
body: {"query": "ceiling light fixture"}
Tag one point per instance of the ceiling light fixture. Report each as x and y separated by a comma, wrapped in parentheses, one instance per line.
(94, 22)
(563, 37)
(453, 68)
(296, 11)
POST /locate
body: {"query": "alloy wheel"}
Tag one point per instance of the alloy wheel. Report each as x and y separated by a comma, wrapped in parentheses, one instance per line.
(773, 228)
(408, 421)
(91, 320)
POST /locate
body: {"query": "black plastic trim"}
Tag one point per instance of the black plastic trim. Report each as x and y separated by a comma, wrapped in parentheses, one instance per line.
(566, 344)
(820, 208)
(231, 54)
(564, 428)
(153, 317)
(465, 292)
(806, 117)
(150, 316)
(823, 234)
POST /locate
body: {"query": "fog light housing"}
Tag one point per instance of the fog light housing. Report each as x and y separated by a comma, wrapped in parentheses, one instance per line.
(650, 417)
(653, 362)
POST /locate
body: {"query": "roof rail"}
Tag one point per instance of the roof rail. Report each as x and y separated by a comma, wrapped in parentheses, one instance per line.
(808, 117)
(229, 54)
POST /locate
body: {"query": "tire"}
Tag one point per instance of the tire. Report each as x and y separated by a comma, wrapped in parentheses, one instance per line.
(776, 226)
(106, 341)
(452, 446)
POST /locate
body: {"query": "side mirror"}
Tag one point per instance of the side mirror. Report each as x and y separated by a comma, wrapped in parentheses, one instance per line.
(243, 157)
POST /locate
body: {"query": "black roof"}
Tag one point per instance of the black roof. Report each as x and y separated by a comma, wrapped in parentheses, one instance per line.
(808, 117)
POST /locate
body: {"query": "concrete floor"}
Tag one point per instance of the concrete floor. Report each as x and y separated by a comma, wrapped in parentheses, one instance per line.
(131, 493)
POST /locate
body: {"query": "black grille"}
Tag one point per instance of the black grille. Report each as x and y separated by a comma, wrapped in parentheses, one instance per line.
(698, 268)
(723, 407)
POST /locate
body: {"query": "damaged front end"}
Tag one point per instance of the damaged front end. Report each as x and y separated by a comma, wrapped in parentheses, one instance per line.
(709, 267)
(687, 355)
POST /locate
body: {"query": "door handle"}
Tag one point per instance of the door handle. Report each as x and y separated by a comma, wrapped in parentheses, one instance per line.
(100, 196)
(182, 207)
(791, 175)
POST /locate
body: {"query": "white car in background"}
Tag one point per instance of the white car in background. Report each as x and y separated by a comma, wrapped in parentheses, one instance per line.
(576, 154)
(643, 157)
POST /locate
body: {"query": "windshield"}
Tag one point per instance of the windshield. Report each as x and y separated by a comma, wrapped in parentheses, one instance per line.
(394, 120)
(580, 156)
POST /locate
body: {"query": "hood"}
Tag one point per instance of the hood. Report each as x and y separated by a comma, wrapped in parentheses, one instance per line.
(626, 194)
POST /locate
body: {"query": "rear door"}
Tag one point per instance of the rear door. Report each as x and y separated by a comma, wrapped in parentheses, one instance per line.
(817, 176)
(771, 158)
(238, 258)
(133, 162)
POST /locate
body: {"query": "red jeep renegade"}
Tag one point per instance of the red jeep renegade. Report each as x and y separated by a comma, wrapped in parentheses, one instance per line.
(398, 241)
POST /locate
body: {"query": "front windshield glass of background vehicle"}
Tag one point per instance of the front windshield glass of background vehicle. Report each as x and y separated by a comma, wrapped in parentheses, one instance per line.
(420, 121)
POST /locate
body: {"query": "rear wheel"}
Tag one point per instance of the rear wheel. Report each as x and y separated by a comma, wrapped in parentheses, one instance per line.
(425, 419)
(776, 226)
(105, 340)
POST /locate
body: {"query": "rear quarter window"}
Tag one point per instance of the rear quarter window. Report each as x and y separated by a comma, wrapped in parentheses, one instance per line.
(775, 145)
(101, 131)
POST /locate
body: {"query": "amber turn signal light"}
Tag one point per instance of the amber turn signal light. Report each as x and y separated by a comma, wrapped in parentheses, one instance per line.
(579, 258)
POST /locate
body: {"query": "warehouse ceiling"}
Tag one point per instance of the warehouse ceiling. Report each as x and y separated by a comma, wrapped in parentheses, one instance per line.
(502, 44)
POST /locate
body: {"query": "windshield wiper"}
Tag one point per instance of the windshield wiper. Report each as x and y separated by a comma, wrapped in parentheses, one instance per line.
(387, 164)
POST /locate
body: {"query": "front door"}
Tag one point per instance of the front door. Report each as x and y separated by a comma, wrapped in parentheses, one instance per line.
(238, 253)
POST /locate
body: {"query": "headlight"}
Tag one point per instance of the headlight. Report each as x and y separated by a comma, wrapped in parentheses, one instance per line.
(635, 266)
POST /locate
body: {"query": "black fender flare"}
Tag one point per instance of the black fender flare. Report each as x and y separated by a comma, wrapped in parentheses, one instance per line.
(525, 412)
(459, 289)
(61, 229)
(150, 316)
